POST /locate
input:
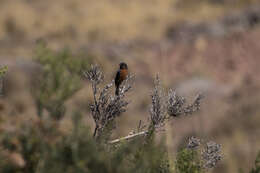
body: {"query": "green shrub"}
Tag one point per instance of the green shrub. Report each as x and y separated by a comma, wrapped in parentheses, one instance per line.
(59, 79)
(3, 70)
(188, 161)
(41, 146)
(77, 151)
(257, 164)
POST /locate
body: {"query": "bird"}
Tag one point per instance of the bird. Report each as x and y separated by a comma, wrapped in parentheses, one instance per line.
(121, 75)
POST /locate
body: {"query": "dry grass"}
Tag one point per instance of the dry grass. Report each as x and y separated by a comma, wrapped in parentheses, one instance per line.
(77, 22)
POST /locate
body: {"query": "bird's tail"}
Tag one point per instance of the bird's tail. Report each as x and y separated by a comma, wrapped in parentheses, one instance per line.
(117, 91)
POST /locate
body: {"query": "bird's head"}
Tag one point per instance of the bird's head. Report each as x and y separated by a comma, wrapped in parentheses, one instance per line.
(123, 65)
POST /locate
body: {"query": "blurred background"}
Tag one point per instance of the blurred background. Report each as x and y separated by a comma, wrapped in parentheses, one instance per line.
(196, 46)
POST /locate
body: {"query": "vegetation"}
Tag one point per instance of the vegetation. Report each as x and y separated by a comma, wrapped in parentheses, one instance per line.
(188, 161)
(42, 146)
(3, 70)
(59, 80)
(257, 164)
(205, 40)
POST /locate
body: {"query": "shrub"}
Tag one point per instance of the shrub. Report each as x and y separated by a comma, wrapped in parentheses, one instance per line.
(3, 70)
(58, 80)
(257, 164)
(39, 147)
(188, 161)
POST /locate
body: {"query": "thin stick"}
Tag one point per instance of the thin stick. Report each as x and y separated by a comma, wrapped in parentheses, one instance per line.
(128, 137)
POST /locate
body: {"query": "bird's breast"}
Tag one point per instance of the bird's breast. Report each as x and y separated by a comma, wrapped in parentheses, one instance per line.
(123, 74)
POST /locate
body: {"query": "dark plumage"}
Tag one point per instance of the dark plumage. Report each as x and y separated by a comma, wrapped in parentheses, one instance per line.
(120, 76)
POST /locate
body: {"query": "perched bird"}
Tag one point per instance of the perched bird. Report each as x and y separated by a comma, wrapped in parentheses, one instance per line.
(120, 75)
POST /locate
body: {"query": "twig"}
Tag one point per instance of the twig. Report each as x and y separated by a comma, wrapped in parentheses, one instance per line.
(105, 107)
(128, 137)
(95, 131)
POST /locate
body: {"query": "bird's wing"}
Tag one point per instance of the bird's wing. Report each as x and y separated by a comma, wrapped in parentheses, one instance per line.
(117, 78)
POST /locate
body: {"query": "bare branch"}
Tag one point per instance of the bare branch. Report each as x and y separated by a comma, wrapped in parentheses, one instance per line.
(157, 110)
(128, 137)
(176, 104)
(211, 154)
(106, 107)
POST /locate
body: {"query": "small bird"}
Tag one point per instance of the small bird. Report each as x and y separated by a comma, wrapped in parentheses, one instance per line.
(120, 76)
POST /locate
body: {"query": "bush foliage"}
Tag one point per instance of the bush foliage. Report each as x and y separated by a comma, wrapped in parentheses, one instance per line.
(3, 70)
(42, 146)
(257, 164)
(59, 79)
